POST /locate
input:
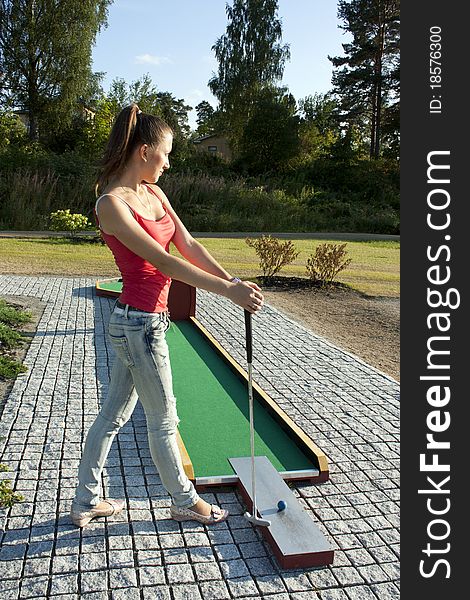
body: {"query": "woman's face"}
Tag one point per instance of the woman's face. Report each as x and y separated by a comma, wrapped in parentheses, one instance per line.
(158, 159)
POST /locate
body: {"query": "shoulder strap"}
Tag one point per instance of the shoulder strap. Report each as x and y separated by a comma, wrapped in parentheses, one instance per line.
(116, 196)
(155, 194)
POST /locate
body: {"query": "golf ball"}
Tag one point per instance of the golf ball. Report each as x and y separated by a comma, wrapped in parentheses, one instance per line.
(281, 505)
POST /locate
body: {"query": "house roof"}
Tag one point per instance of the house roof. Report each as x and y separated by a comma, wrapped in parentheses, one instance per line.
(206, 137)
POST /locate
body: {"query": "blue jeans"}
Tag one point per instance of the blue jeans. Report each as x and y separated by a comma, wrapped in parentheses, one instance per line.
(141, 371)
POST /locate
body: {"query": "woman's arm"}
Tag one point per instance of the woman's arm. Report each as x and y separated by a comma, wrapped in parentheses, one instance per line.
(116, 219)
(188, 247)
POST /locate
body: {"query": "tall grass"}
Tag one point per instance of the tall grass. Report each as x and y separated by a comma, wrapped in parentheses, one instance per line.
(205, 202)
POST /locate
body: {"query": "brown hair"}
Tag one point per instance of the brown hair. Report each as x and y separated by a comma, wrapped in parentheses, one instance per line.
(131, 128)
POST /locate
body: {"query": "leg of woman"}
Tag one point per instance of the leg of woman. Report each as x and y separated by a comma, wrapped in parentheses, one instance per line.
(115, 412)
(153, 382)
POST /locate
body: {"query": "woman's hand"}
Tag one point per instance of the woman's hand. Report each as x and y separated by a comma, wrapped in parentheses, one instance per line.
(247, 295)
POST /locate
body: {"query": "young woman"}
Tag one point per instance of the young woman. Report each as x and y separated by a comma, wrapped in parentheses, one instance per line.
(138, 223)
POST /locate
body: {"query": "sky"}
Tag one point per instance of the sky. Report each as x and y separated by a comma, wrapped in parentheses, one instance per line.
(171, 41)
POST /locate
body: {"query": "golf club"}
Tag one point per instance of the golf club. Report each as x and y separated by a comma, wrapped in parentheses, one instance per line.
(253, 518)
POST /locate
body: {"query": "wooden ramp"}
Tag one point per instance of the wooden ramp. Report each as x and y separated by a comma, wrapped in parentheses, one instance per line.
(294, 537)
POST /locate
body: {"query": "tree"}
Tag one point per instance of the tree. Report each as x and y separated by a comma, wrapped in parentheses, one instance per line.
(45, 56)
(367, 77)
(205, 118)
(250, 57)
(319, 125)
(271, 135)
(12, 130)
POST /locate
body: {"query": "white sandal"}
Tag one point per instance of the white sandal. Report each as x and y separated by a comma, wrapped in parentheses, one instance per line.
(186, 514)
(80, 519)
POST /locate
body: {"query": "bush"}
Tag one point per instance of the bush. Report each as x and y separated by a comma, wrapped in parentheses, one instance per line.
(327, 262)
(64, 220)
(11, 316)
(9, 338)
(10, 368)
(7, 496)
(273, 254)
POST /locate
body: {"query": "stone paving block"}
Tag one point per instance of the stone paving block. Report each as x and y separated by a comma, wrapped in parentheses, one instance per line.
(252, 550)
(242, 587)
(260, 566)
(156, 593)
(349, 409)
(174, 540)
(9, 589)
(36, 566)
(270, 584)
(348, 575)
(93, 581)
(232, 569)
(175, 556)
(221, 536)
(147, 542)
(186, 592)
(34, 587)
(214, 590)
(13, 551)
(151, 575)
(196, 539)
(122, 578)
(93, 561)
(148, 558)
(386, 591)
(126, 594)
(227, 551)
(64, 584)
(296, 581)
(94, 596)
(207, 571)
(360, 592)
(334, 594)
(201, 554)
(120, 558)
(180, 573)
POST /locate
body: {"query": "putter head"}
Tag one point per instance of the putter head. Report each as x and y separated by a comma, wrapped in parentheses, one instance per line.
(257, 521)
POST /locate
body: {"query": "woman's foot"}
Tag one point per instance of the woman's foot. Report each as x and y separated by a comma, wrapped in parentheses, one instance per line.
(106, 508)
(202, 511)
(202, 508)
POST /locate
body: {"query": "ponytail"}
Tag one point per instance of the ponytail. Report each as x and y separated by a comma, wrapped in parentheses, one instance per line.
(131, 128)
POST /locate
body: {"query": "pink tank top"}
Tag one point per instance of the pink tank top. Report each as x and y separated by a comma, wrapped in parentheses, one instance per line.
(143, 285)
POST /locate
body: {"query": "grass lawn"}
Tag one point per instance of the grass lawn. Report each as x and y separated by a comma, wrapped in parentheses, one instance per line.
(374, 270)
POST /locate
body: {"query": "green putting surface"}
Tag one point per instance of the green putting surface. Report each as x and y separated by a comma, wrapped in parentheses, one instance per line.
(213, 408)
(112, 285)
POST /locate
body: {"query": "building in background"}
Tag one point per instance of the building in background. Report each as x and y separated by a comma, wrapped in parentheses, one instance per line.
(214, 144)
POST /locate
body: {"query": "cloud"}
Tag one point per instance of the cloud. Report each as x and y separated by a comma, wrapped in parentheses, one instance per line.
(149, 59)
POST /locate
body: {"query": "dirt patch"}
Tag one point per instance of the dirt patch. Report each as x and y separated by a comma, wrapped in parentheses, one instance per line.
(368, 327)
(36, 308)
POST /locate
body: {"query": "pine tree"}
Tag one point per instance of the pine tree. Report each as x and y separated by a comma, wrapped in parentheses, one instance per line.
(368, 82)
(205, 118)
(250, 57)
(45, 56)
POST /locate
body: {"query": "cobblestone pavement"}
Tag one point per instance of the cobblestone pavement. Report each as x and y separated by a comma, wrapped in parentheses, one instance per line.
(349, 408)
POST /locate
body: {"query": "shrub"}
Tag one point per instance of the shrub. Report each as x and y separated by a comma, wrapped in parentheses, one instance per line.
(13, 316)
(64, 220)
(327, 262)
(273, 253)
(10, 368)
(9, 338)
(7, 496)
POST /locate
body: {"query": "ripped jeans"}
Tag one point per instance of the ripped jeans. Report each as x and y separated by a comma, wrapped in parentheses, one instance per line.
(141, 371)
